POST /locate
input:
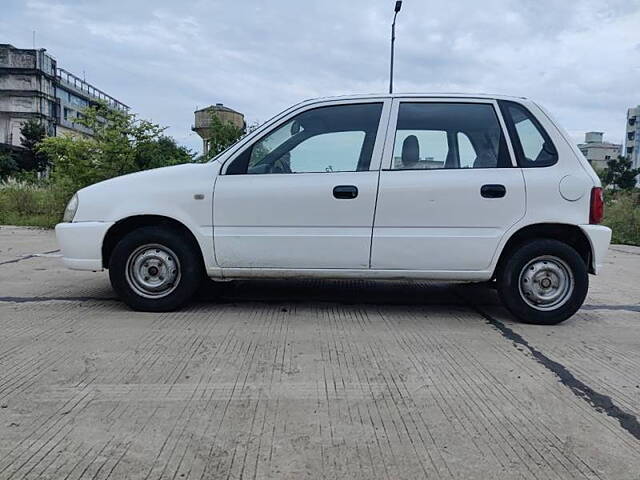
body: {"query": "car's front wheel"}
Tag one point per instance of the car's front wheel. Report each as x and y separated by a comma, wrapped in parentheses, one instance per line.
(155, 269)
(543, 282)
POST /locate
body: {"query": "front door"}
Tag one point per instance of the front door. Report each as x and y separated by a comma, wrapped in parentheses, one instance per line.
(303, 195)
(448, 188)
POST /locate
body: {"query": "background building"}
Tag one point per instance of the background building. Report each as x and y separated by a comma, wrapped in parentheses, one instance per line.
(202, 125)
(32, 86)
(27, 90)
(597, 151)
(632, 139)
(73, 94)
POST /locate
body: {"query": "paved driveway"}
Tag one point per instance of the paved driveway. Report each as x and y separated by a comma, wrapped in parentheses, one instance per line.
(309, 379)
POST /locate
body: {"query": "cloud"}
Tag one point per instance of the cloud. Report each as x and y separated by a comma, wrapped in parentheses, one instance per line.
(165, 58)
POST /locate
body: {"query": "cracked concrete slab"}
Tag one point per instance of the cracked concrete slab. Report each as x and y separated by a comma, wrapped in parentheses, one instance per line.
(311, 379)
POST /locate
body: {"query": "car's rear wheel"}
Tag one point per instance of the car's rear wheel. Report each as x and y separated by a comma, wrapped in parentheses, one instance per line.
(543, 282)
(155, 269)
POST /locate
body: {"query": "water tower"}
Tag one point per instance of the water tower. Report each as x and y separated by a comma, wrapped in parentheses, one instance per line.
(202, 123)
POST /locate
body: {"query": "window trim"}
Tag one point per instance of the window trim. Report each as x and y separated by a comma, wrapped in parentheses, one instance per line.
(389, 146)
(515, 138)
(246, 144)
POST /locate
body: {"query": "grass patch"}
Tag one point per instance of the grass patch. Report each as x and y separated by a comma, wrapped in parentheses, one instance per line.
(622, 215)
(33, 205)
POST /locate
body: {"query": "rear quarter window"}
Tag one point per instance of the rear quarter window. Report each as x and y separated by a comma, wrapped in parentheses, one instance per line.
(532, 144)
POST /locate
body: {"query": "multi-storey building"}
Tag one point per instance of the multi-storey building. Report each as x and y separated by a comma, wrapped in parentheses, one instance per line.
(597, 151)
(32, 86)
(632, 139)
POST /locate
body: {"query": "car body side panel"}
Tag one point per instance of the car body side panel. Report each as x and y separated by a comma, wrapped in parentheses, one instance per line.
(547, 199)
(182, 193)
(293, 220)
(437, 219)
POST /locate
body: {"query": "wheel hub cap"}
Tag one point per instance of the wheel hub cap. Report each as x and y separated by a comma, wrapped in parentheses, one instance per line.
(546, 283)
(153, 271)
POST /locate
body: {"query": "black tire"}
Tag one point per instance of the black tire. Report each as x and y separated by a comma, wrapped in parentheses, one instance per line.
(189, 268)
(516, 286)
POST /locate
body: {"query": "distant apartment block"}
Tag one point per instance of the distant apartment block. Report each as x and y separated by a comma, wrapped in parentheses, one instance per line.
(597, 151)
(632, 139)
(32, 86)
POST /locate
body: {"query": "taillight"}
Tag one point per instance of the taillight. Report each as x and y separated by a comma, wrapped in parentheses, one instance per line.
(596, 211)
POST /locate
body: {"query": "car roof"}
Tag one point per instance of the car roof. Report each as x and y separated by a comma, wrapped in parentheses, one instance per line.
(416, 95)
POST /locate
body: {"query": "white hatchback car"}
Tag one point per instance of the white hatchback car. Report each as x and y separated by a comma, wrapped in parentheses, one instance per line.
(444, 187)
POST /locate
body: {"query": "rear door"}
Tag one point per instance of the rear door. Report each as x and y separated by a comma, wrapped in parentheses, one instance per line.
(449, 188)
(303, 195)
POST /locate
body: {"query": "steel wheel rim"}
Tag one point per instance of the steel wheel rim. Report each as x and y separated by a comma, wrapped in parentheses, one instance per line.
(153, 271)
(546, 283)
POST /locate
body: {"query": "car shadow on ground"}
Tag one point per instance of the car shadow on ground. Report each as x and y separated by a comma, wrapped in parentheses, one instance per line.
(345, 292)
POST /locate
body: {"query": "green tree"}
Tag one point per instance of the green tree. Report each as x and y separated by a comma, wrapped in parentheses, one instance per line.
(161, 152)
(221, 135)
(620, 174)
(120, 143)
(118, 134)
(8, 166)
(31, 159)
(77, 162)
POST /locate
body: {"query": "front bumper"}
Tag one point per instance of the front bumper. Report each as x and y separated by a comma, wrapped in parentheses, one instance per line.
(599, 237)
(81, 244)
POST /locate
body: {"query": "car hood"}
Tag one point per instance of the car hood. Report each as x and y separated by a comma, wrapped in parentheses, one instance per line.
(136, 193)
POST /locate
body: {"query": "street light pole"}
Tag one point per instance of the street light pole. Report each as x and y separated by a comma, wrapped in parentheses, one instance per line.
(393, 39)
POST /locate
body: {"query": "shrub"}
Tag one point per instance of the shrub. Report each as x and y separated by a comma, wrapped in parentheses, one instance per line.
(622, 215)
(32, 204)
(8, 166)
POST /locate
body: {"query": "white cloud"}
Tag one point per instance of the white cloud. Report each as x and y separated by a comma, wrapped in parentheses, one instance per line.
(164, 58)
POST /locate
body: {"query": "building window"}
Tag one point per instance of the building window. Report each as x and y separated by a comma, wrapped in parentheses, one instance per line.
(630, 150)
(631, 135)
(632, 121)
(607, 157)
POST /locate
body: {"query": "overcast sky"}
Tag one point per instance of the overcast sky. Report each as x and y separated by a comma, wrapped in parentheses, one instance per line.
(164, 58)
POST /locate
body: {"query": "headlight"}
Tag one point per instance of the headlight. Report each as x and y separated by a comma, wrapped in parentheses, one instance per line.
(72, 208)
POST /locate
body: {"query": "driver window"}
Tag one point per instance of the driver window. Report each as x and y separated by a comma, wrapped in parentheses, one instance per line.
(328, 152)
(270, 142)
(323, 140)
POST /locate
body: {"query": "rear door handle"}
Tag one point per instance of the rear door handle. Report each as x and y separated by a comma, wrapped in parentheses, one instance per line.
(346, 192)
(493, 191)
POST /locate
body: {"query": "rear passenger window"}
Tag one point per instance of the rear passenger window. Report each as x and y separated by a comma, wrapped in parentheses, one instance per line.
(408, 143)
(448, 136)
(531, 143)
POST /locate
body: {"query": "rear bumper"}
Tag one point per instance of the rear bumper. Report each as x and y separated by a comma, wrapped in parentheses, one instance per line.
(599, 237)
(81, 244)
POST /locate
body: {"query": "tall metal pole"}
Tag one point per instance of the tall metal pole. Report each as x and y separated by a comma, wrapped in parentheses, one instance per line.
(393, 39)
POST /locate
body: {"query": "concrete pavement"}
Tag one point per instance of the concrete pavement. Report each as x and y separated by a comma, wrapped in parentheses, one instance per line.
(310, 379)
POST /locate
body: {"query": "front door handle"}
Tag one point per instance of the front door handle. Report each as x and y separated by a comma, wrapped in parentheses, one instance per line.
(346, 192)
(493, 191)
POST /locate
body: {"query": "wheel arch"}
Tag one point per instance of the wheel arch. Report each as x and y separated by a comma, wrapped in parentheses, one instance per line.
(126, 225)
(572, 235)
